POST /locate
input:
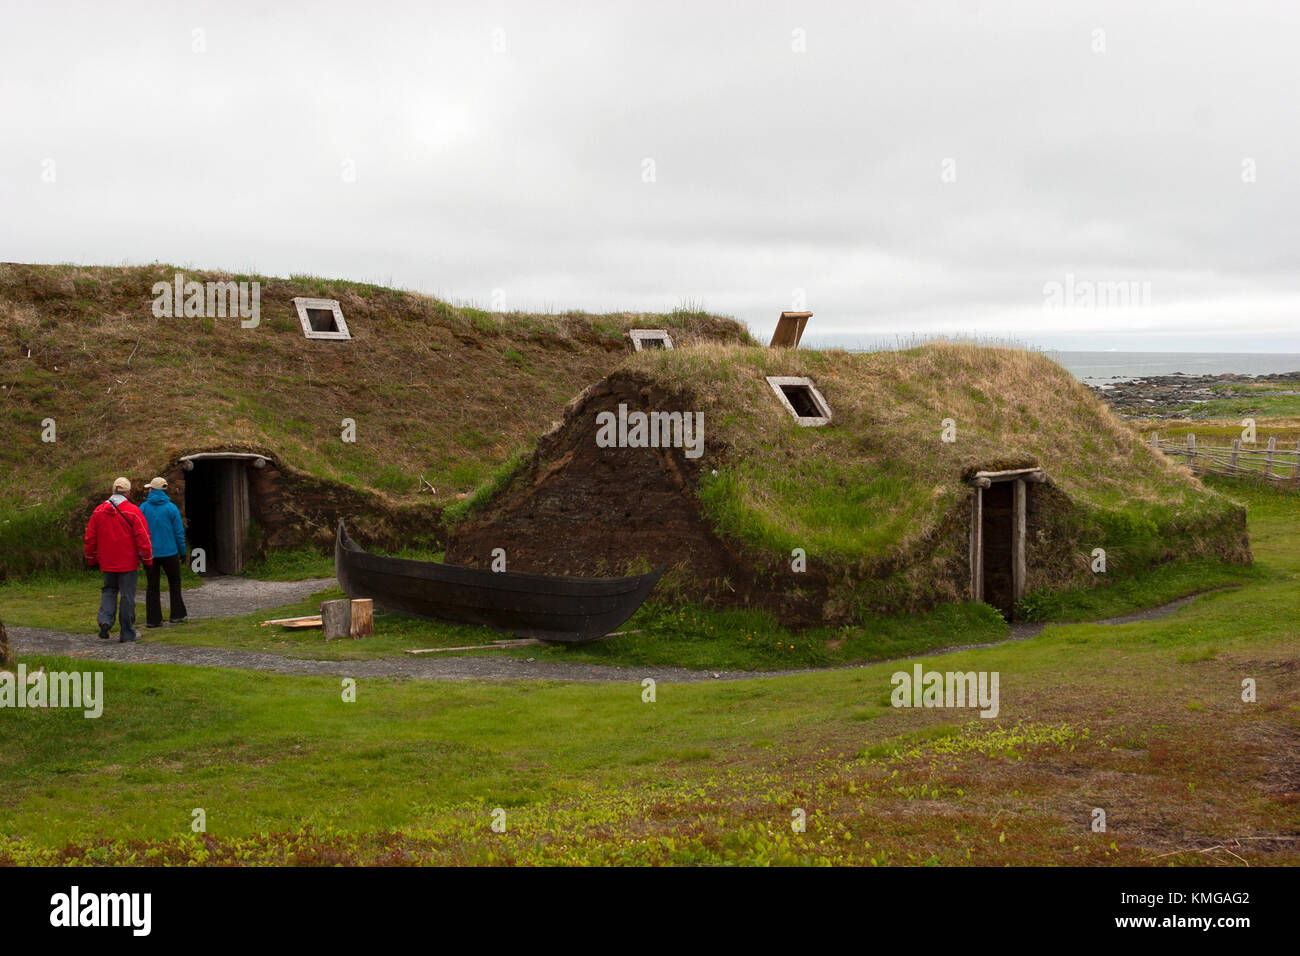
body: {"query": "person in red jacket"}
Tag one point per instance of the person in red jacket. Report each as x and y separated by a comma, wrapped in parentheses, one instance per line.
(117, 541)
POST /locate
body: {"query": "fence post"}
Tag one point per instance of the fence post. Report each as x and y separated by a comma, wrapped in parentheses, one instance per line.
(1236, 449)
(1155, 440)
(1191, 451)
(1268, 459)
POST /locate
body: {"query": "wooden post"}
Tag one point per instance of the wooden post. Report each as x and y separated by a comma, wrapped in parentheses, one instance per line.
(336, 618)
(7, 659)
(1018, 541)
(977, 544)
(1236, 450)
(1191, 451)
(1268, 459)
(363, 617)
(1155, 440)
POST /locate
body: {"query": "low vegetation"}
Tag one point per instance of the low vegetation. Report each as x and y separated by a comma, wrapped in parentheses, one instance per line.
(1143, 720)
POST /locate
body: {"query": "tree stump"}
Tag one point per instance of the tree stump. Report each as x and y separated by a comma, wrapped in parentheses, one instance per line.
(8, 661)
(363, 617)
(336, 618)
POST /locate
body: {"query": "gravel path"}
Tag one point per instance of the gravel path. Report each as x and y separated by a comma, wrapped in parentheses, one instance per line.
(35, 640)
(231, 596)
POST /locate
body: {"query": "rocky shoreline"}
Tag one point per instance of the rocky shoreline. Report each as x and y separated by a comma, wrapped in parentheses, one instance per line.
(1167, 396)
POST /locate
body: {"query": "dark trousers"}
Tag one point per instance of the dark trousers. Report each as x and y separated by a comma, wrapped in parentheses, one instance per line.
(153, 596)
(117, 600)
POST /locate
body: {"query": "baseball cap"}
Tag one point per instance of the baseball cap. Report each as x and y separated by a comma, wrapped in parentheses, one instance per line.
(122, 484)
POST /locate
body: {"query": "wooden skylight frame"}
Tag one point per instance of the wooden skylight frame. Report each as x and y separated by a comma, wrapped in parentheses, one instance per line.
(640, 337)
(780, 383)
(306, 306)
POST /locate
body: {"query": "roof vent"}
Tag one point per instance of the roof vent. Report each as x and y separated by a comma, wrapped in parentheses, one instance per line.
(322, 318)
(789, 330)
(801, 398)
(645, 339)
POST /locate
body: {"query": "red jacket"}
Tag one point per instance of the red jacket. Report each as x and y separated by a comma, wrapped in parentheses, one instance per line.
(118, 542)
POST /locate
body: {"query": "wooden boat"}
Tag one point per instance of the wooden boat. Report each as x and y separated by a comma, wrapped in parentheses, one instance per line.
(547, 607)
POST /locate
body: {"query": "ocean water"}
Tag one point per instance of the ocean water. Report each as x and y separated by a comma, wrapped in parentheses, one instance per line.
(1107, 367)
(1100, 368)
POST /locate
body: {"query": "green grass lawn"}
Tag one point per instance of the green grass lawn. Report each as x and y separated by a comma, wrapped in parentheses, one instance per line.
(1144, 720)
(1257, 401)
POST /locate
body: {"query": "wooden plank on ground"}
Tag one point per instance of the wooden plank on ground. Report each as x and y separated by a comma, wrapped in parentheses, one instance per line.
(311, 620)
(494, 646)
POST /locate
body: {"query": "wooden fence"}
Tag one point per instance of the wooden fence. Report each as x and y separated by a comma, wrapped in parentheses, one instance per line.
(1267, 464)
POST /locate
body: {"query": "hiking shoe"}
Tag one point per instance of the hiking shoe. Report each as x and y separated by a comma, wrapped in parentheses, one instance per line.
(153, 625)
(179, 620)
(127, 640)
(103, 632)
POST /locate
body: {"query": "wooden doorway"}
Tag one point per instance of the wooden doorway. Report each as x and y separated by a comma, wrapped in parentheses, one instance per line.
(218, 508)
(998, 562)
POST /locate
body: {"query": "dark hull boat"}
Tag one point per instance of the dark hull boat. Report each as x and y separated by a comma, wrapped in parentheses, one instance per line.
(546, 607)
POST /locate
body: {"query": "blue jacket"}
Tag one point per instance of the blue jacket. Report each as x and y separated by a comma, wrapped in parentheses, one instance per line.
(165, 526)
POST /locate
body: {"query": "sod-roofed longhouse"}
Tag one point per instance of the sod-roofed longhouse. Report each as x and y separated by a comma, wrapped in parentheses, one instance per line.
(897, 481)
(336, 399)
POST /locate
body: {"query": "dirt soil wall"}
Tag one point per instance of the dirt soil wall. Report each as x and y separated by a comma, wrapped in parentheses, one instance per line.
(578, 509)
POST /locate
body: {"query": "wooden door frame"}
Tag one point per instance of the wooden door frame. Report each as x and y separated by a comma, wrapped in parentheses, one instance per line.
(1019, 511)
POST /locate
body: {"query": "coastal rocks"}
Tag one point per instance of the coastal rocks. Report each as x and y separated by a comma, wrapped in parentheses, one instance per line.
(1176, 396)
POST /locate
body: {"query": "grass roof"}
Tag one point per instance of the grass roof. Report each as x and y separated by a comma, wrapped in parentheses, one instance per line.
(444, 391)
(879, 479)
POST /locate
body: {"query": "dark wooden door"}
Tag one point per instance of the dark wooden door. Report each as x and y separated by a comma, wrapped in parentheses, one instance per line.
(998, 540)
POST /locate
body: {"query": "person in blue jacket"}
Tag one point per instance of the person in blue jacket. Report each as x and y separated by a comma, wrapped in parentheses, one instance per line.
(168, 534)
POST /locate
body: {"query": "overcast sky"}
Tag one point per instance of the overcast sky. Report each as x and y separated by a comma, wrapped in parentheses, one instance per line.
(905, 168)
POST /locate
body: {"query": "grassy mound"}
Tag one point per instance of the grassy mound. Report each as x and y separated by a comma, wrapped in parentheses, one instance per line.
(437, 390)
